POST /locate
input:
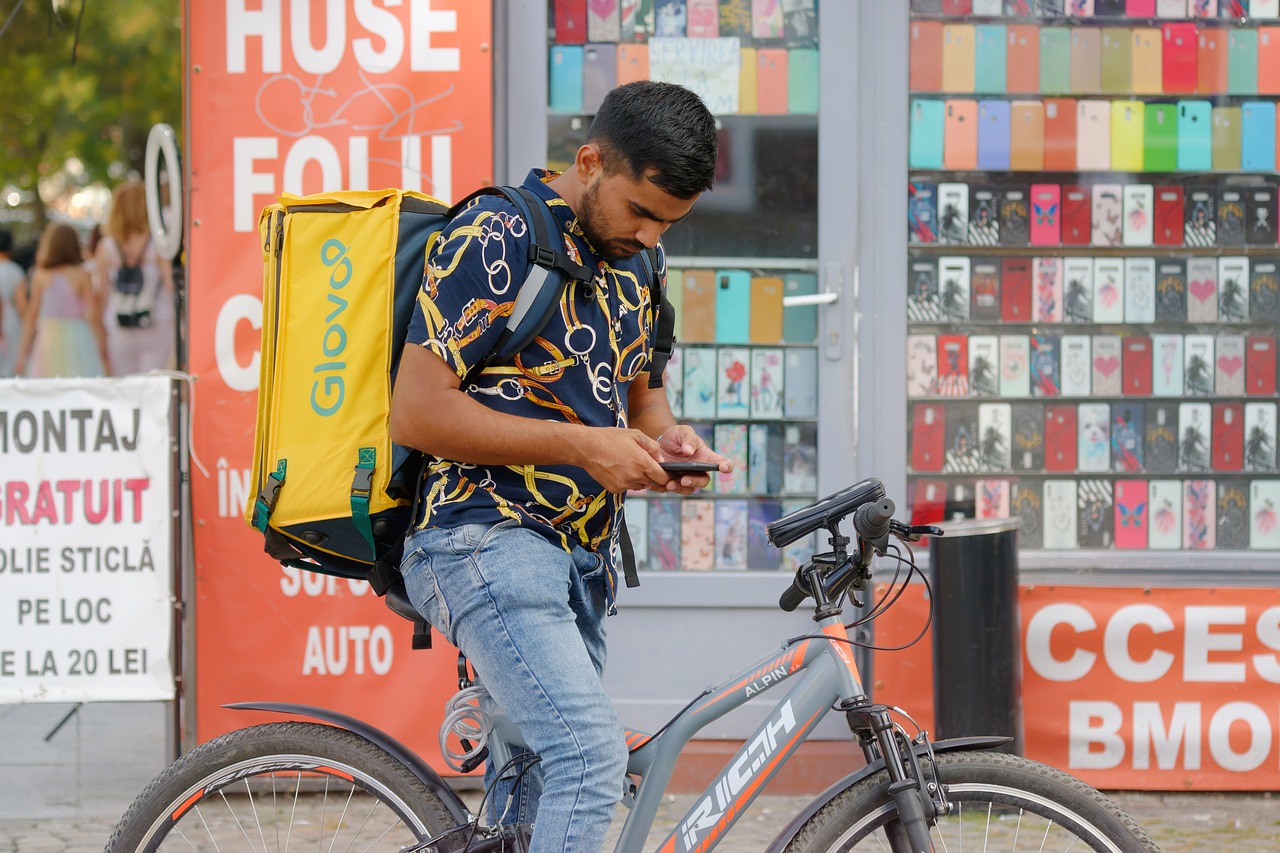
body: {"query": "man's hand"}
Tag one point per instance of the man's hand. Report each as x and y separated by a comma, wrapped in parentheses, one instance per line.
(681, 443)
(622, 459)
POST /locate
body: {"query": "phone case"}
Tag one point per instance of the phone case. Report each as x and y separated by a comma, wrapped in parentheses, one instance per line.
(1165, 499)
(1095, 514)
(990, 74)
(1015, 290)
(1199, 505)
(749, 85)
(772, 90)
(1060, 134)
(1093, 136)
(1225, 139)
(1195, 136)
(673, 380)
(1044, 366)
(928, 505)
(1136, 365)
(1264, 291)
(1264, 9)
(702, 19)
(1126, 436)
(599, 74)
(700, 374)
(1109, 8)
(800, 380)
(925, 149)
(1260, 437)
(1211, 61)
(604, 23)
(800, 322)
(1108, 290)
(1159, 151)
(1171, 8)
(698, 320)
(984, 370)
(1015, 217)
(1260, 365)
(961, 455)
(1026, 136)
(1079, 8)
(1139, 290)
(1107, 213)
(1139, 224)
(1160, 443)
(1258, 136)
(1117, 61)
(731, 534)
(988, 8)
(733, 388)
(1233, 290)
(1077, 290)
(802, 81)
(637, 20)
(633, 63)
(1202, 8)
(1167, 365)
(1055, 61)
(1026, 504)
(928, 437)
(1201, 222)
(1231, 215)
(1085, 77)
(1022, 59)
(1140, 8)
(767, 19)
(1171, 291)
(922, 366)
(995, 431)
(1028, 437)
(1197, 376)
(1061, 443)
(566, 78)
(766, 310)
(570, 21)
(992, 499)
(1233, 514)
(1260, 210)
(1264, 503)
(1178, 58)
(1077, 216)
(767, 384)
(958, 43)
(1076, 372)
(800, 22)
(1131, 519)
(1106, 354)
(1046, 224)
(1194, 426)
(985, 286)
(1228, 436)
(1242, 62)
(1128, 119)
(733, 306)
(953, 213)
(1268, 60)
(1146, 58)
(1229, 366)
(924, 302)
(697, 534)
(993, 135)
(1015, 366)
(953, 287)
(1169, 206)
(984, 217)
(953, 365)
(1046, 305)
(960, 135)
(961, 499)
(663, 540)
(1202, 290)
(670, 18)
(761, 555)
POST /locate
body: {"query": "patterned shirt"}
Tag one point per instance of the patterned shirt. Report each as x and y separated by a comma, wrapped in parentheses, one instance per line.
(579, 369)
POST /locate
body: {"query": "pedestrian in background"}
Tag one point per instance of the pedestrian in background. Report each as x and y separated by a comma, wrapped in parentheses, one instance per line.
(62, 332)
(12, 279)
(136, 286)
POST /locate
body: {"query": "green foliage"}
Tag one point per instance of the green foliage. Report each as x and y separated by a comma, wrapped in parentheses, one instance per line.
(91, 95)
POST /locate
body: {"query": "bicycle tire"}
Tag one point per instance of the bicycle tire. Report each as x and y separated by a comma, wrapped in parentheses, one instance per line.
(289, 784)
(997, 799)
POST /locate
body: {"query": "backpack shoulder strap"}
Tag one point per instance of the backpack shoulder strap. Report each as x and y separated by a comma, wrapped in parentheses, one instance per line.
(662, 336)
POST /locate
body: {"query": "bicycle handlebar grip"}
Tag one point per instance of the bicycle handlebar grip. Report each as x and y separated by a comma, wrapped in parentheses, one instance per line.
(871, 520)
(791, 599)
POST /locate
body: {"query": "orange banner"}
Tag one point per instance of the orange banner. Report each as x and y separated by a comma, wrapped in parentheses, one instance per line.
(304, 98)
(1144, 689)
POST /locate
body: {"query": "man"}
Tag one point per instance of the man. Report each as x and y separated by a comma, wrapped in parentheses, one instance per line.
(514, 558)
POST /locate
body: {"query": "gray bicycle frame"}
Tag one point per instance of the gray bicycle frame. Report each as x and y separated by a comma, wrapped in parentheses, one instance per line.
(828, 675)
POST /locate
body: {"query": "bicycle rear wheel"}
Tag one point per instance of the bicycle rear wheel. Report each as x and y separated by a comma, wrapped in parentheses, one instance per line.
(999, 803)
(273, 787)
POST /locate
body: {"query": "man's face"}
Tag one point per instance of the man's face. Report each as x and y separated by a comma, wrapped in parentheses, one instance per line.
(622, 215)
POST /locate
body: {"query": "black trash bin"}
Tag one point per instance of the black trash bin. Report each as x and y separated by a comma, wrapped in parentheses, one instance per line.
(977, 653)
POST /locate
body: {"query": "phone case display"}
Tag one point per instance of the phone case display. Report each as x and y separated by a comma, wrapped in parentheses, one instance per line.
(1094, 274)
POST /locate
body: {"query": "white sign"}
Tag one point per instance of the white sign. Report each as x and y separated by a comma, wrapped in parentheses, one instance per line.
(86, 564)
(710, 67)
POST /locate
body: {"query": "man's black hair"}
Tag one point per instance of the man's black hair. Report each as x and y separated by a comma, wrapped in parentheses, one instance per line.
(6, 240)
(661, 127)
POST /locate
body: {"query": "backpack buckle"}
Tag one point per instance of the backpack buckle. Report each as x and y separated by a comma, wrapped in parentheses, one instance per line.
(362, 482)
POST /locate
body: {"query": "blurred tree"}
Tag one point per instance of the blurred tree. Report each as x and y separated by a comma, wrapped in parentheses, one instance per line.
(85, 79)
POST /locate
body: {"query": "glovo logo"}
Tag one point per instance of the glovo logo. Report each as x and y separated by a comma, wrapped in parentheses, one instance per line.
(329, 388)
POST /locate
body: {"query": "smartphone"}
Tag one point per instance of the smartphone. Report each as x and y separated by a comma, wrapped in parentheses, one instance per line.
(1160, 138)
(960, 135)
(1145, 56)
(1242, 62)
(1225, 141)
(958, 58)
(672, 466)
(1060, 132)
(1026, 136)
(748, 82)
(1086, 61)
(990, 75)
(633, 63)
(993, 135)
(599, 74)
(1117, 61)
(1268, 61)
(1128, 119)
(570, 21)
(698, 320)
(1195, 136)
(772, 88)
(1093, 136)
(1178, 54)
(1022, 59)
(566, 79)
(802, 81)
(1211, 61)
(1055, 61)
(733, 306)
(1258, 136)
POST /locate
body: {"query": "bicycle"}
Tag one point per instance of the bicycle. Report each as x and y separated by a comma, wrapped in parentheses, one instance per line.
(242, 790)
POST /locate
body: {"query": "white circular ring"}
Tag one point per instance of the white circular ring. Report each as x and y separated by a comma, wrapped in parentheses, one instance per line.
(161, 141)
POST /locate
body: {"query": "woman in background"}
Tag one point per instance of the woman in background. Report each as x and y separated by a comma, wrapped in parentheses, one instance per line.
(62, 332)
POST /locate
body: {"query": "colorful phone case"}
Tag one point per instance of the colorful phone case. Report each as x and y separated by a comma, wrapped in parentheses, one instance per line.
(928, 436)
(1028, 437)
(800, 380)
(1046, 306)
(924, 303)
(1202, 8)
(1197, 372)
(1022, 59)
(697, 534)
(800, 23)
(766, 310)
(604, 24)
(633, 63)
(1160, 138)
(1055, 61)
(702, 19)
(1160, 441)
(800, 322)
(1258, 136)
(771, 81)
(1108, 290)
(1139, 221)
(570, 18)
(730, 534)
(1131, 518)
(1015, 366)
(1178, 58)
(1268, 61)
(1015, 216)
(1211, 61)
(733, 306)
(958, 58)
(1139, 290)
(1260, 365)
(925, 147)
(767, 19)
(1199, 510)
(1060, 132)
(1169, 204)
(1229, 366)
(995, 436)
(1128, 119)
(1260, 219)
(993, 135)
(1117, 61)
(1093, 136)
(1195, 136)
(960, 135)
(985, 307)
(1242, 62)
(1015, 290)
(1026, 136)
(1086, 61)
(748, 82)
(699, 382)
(1233, 514)
(990, 74)
(670, 18)
(1077, 290)
(566, 78)
(1107, 213)
(928, 504)
(1166, 365)
(1146, 61)
(1135, 366)
(599, 74)
(1165, 498)
(1140, 8)
(1171, 291)
(1264, 505)
(1107, 376)
(1061, 443)
(1093, 438)
(768, 386)
(1228, 436)
(1202, 290)
(1200, 227)
(1194, 426)
(1079, 8)
(1225, 139)
(733, 388)
(1044, 366)
(698, 320)
(802, 81)
(1077, 215)
(1046, 223)
(953, 213)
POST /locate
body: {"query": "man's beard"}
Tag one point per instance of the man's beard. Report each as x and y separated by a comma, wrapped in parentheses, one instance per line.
(611, 250)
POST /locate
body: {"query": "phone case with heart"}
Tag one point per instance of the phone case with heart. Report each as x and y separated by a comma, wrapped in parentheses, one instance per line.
(1105, 354)
(1229, 366)
(1202, 290)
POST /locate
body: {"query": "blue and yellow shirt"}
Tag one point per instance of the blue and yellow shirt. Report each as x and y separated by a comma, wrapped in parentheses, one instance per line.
(579, 370)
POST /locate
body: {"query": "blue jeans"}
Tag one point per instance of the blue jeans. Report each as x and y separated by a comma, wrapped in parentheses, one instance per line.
(530, 618)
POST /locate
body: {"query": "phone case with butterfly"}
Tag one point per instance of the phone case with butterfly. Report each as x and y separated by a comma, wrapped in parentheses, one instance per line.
(1233, 290)
(1260, 365)
(962, 452)
(1108, 290)
(1229, 366)
(1228, 437)
(1044, 366)
(1126, 436)
(1264, 291)
(953, 287)
(1077, 216)
(1195, 429)
(985, 307)
(1015, 290)
(1169, 212)
(1139, 290)
(984, 216)
(1046, 300)
(1166, 365)
(984, 366)
(953, 213)
(1135, 364)
(1046, 225)
(1202, 290)
(1026, 504)
(995, 437)
(1096, 511)
(924, 301)
(1198, 372)
(1139, 225)
(1260, 437)
(1233, 514)
(1199, 511)
(1015, 219)
(1160, 446)
(1131, 519)
(1106, 378)
(1060, 515)
(1106, 215)
(1028, 436)
(1074, 368)
(1230, 216)
(1015, 366)
(1077, 290)
(1171, 291)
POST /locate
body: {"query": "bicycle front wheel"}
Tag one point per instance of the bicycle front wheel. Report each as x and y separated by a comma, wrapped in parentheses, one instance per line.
(278, 786)
(999, 803)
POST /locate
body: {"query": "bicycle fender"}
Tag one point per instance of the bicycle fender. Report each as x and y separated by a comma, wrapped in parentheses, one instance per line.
(950, 745)
(410, 759)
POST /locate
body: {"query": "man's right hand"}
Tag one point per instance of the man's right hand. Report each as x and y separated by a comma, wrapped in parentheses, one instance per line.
(621, 459)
